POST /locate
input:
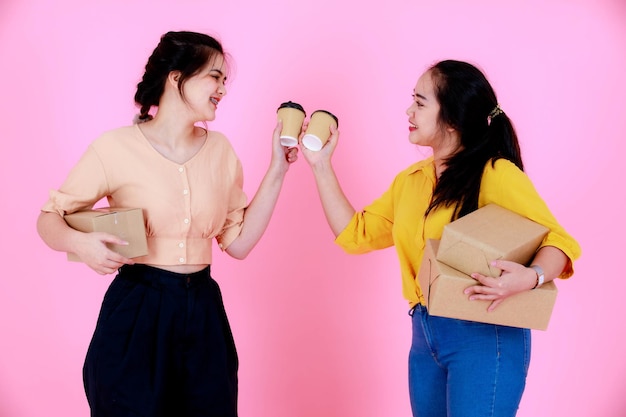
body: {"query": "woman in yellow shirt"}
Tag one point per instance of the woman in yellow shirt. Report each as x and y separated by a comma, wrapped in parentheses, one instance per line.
(162, 345)
(456, 367)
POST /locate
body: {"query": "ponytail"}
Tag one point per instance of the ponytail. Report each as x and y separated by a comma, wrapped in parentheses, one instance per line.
(486, 134)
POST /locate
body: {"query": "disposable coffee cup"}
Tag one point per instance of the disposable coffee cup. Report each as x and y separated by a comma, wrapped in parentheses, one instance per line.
(318, 131)
(292, 114)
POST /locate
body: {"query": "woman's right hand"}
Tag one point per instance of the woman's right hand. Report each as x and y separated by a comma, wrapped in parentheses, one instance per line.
(324, 155)
(92, 249)
(337, 208)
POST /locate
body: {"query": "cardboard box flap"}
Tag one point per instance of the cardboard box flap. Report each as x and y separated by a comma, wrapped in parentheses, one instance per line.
(492, 232)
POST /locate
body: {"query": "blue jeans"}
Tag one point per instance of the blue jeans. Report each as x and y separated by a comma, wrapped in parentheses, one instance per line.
(463, 368)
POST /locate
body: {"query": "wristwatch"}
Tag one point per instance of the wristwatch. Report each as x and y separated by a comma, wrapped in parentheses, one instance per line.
(540, 276)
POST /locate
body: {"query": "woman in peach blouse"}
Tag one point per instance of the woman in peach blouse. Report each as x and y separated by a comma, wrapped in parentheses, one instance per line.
(162, 345)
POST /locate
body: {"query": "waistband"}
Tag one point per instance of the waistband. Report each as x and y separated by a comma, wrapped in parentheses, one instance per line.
(417, 307)
(142, 272)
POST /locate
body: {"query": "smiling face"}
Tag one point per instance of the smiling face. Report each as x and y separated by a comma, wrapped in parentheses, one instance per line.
(424, 113)
(425, 128)
(203, 91)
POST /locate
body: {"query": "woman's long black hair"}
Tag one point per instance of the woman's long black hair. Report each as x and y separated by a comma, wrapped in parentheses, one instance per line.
(466, 100)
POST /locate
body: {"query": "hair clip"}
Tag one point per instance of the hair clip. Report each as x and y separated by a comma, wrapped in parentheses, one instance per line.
(495, 112)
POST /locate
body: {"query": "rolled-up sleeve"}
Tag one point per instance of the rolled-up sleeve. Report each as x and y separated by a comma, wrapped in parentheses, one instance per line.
(370, 229)
(85, 185)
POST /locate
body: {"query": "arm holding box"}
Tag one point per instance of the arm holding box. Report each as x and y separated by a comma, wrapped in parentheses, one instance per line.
(90, 247)
(85, 185)
(504, 184)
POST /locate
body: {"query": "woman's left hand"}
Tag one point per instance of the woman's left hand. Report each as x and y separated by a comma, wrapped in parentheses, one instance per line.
(282, 156)
(514, 279)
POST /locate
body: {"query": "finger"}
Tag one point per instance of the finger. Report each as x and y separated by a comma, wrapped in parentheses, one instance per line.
(485, 280)
(276, 134)
(108, 238)
(105, 269)
(292, 155)
(305, 126)
(483, 297)
(474, 289)
(477, 290)
(334, 133)
(505, 266)
(494, 304)
(116, 260)
(331, 144)
(113, 259)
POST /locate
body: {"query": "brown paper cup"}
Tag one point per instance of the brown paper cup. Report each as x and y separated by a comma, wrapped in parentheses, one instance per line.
(292, 114)
(318, 131)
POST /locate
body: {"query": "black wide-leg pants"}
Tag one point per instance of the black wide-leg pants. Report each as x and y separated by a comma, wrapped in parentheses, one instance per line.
(162, 348)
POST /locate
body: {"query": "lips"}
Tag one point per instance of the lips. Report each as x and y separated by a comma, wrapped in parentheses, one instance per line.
(412, 127)
(214, 100)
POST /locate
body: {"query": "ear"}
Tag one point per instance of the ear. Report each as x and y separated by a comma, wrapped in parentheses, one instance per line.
(173, 78)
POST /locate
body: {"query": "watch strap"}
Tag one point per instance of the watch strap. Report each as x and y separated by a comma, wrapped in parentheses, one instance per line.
(540, 276)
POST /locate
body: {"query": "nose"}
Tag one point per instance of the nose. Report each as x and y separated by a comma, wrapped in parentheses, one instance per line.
(221, 90)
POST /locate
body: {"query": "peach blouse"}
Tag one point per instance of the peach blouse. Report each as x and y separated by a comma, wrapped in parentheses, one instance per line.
(184, 205)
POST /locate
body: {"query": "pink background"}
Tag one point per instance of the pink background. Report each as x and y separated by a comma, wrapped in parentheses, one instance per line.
(319, 332)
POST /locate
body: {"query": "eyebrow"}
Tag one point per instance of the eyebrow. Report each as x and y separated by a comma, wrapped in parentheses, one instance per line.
(420, 96)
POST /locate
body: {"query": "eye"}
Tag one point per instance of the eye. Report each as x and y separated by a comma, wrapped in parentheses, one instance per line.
(417, 100)
(217, 75)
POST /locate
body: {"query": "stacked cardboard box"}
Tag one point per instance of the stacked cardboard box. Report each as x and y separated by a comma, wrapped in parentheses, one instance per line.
(125, 223)
(468, 245)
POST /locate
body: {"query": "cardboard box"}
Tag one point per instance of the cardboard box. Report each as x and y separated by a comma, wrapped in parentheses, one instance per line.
(443, 290)
(125, 223)
(492, 232)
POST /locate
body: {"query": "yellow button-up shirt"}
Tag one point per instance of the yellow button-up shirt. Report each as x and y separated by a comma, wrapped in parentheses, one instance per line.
(185, 205)
(397, 217)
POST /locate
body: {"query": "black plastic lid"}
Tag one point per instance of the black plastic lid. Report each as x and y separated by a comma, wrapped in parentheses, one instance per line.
(292, 105)
(329, 113)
